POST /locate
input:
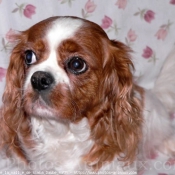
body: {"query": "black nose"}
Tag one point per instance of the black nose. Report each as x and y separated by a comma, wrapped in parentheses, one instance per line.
(41, 80)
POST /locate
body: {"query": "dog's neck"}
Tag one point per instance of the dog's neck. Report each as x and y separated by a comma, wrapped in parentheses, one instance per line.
(59, 145)
(51, 130)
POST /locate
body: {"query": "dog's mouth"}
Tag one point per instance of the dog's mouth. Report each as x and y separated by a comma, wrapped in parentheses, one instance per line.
(40, 103)
(39, 107)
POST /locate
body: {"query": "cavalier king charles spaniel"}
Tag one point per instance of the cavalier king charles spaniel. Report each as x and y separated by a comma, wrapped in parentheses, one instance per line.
(71, 104)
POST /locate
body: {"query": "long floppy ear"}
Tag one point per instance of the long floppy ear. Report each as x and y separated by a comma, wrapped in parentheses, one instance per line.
(116, 128)
(13, 120)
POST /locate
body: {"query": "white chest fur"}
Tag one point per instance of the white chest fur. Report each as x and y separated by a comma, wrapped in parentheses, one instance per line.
(60, 146)
(59, 149)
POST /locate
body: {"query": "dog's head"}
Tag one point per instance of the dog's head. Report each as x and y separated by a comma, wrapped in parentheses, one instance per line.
(64, 69)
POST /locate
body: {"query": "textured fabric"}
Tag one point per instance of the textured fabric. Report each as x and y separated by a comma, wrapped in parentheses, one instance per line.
(147, 26)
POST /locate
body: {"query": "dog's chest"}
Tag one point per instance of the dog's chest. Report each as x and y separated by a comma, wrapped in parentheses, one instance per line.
(59, 146)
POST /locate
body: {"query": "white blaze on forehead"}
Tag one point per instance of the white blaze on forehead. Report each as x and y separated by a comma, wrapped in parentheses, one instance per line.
(60, 29)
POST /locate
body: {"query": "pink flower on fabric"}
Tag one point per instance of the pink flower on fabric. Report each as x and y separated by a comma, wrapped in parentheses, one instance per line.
(152, 154)
(2, 73)
(106, 22)
(172, 115)
(90, 6)
(161, 33)
(26, 10)
(141, 172)
(170, 162)
(131, 35)
(147, 52)
(29, 11)
(10, 36)
(149, 16)
(172, 2)
(121, 4)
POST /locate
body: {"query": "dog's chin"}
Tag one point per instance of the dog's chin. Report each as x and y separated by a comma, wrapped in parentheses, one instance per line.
(39, 108)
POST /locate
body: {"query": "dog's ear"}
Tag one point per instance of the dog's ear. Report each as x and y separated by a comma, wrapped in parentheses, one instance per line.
(116, 127)
(12, 114)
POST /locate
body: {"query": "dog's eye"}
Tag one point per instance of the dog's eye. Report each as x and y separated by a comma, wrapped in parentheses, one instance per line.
(76, 65)
(30, 57)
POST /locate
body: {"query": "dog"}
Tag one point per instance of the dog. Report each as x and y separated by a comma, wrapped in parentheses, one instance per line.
(71, 103)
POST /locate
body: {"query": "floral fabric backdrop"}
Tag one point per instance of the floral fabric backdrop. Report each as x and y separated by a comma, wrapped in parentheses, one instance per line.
(147, 26)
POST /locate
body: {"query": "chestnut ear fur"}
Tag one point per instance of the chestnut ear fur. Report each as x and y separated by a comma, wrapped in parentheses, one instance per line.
(13, 119)
(116, 125)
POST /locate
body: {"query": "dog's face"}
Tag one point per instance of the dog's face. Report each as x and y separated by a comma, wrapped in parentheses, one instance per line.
(66, 68)
(64, 61)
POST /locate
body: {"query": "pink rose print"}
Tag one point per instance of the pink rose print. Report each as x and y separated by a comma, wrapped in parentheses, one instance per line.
(2, 73)
(141, 172)
(131, 37)
(149, 54)
(10, 36)
(106, 22)
(149, 16)
(121, 4)
(90, 7)
(9, 40)
(170, 162)
(152, 155)
(162, 33)
(172, 2)
(29, 11)
(172, 115)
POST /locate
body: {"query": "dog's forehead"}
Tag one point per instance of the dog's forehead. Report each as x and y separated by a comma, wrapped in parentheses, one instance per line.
(62, 29)
(54, 30)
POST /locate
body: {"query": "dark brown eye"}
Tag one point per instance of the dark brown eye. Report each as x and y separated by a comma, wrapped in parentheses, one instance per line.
(30, 57)
(76, 65)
